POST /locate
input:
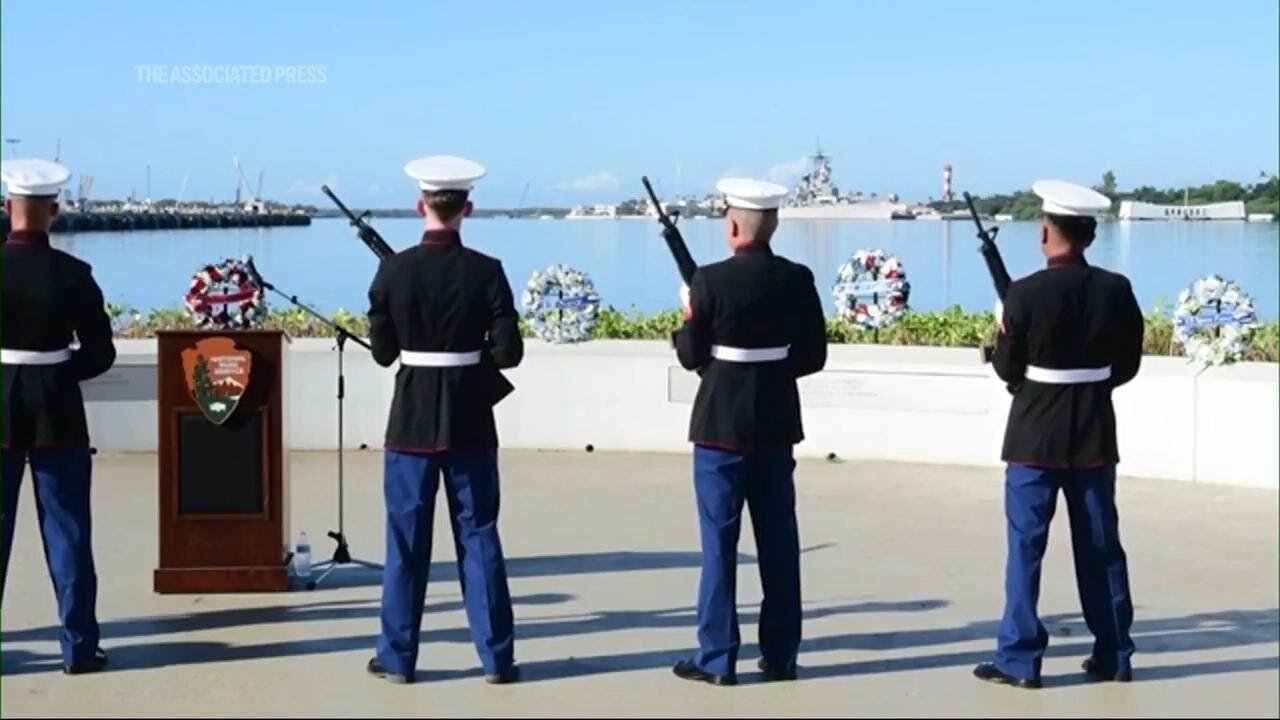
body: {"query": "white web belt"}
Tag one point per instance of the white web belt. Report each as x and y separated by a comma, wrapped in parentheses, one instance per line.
(34, 357)
(439, 359)
(1073, 376)
(748, 355)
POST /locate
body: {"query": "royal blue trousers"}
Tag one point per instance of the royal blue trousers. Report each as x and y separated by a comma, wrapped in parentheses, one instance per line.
(1102, 576)
(61, 479)
(723, 481)
(410, 482)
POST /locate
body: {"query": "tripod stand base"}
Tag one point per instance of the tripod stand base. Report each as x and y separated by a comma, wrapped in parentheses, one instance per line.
(330, 566)
(341, 557)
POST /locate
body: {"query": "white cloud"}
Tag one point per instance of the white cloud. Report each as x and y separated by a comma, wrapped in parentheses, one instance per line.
(603, 180)
(306, 187)
(785, 173)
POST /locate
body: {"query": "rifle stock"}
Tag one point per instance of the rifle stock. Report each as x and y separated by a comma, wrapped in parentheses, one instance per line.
(367, 234)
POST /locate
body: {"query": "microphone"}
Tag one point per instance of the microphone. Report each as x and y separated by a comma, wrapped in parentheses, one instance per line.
(254, 275)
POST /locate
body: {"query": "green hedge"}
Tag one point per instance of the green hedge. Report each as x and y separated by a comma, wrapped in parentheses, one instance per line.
(952, 327)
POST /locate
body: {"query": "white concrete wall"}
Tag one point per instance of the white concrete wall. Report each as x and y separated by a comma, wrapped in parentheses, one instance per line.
(927, 405)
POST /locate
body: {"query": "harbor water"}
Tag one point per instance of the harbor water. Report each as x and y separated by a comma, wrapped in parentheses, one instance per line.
(325, 264)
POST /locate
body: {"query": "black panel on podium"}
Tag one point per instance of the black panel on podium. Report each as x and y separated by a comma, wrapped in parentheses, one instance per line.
(221, 465)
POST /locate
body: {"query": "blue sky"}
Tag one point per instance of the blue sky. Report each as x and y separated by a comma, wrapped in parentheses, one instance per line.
(577, 99)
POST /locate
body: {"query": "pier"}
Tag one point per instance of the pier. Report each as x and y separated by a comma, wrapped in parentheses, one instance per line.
(72, 222)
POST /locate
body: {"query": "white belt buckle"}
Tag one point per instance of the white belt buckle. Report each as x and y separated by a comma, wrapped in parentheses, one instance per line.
(749, 355)
(1069, 376)
(34, 357)
(413, 358)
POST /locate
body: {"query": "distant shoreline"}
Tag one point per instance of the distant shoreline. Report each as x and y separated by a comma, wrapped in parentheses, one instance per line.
(479, 213)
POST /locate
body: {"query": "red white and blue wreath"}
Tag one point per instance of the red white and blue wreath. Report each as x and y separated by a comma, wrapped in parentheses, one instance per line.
(871, 290)
(224, 296)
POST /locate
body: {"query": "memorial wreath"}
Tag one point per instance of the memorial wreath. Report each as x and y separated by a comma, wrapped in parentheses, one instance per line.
(1213, 321)
(225, 296)
(871, 290)
(562, 304)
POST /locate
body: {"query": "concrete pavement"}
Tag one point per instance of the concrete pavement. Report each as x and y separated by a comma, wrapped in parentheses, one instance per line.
(902, 574)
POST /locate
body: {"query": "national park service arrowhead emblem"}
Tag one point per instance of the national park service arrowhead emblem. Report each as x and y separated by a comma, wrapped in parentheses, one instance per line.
(217, 375)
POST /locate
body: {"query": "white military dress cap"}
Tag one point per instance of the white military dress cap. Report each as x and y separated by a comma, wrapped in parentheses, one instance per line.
(444, 172)
(34, 177)
(750, 194)
(1065, 198)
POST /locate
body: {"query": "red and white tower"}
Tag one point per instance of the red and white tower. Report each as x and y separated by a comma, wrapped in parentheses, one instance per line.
(947, 195)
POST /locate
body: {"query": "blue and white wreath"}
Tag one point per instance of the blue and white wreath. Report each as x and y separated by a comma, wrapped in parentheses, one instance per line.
(871, 290)
(562, 304)
(1213, 321)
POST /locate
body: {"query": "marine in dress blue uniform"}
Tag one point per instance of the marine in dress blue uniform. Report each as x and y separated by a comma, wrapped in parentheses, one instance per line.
(1069, 335)
(47, 299)
(446, 313)
(753, 325)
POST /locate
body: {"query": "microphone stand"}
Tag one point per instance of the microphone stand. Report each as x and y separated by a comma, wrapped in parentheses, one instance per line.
(341, 554)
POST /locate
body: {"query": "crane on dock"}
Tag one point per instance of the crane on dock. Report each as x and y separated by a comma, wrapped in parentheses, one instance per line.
(86, 184)
(240, 181)
(64, 195)
(523, 193)
(255, 204)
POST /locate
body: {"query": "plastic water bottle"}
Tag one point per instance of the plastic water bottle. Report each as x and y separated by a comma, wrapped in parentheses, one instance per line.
(302, 556)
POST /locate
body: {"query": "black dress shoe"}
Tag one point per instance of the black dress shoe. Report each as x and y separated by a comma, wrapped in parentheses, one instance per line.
(991, 673)
(506, 677)
(1093, 669)
(376, 669)
(686, 670)
(97, 663)
(776, 674)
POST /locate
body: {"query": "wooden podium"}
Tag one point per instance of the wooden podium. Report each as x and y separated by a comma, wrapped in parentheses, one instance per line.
(224, 464)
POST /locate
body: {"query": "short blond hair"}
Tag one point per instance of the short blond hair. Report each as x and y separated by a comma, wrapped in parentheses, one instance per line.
(33, 210)
(757, 225)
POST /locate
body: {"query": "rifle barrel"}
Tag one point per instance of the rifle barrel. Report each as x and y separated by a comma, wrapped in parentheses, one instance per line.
(657, 204)
(973, 212)
(990, 252)
(366, 233)
(685, 263)
(325, 189)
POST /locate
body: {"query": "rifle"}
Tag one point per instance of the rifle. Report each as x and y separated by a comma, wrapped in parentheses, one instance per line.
(363, 229)
(675, 241)
(995, 264)
(990, 253)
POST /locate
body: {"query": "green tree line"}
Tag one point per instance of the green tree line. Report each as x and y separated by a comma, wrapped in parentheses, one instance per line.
(1262, 196)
